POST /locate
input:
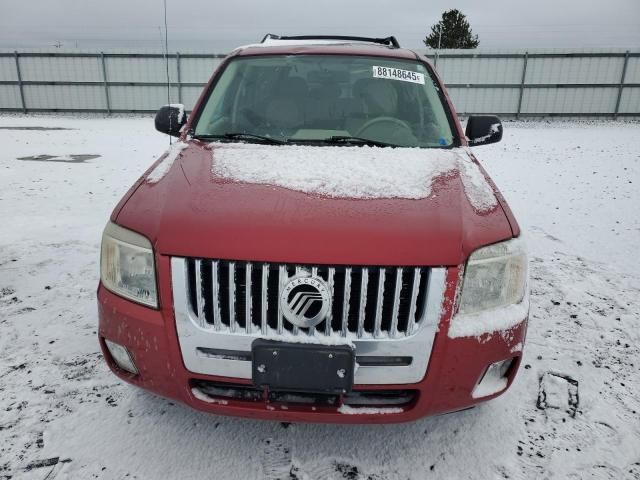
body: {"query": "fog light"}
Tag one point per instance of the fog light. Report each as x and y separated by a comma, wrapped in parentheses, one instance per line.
(121, 356)
(494, 379)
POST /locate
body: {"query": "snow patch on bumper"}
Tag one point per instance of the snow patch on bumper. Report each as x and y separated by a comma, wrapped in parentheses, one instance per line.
(347, 410)
(200, 395)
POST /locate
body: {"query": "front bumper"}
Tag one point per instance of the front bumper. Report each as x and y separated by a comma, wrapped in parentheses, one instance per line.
(454, 369)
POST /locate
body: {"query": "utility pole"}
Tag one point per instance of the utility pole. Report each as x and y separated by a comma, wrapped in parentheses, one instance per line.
(439, 40)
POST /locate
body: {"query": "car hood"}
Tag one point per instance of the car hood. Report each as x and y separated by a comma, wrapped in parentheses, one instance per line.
(322, 205)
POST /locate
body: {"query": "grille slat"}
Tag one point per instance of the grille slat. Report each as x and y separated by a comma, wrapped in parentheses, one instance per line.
(282, 274)
(298, 271)
(396, 302)
(368, 302)
(329, 320)
(314, 273)
(378, 320)
(247, 299)
(346, 302)
(414, 300)
(364, 284)
(199, 299)
(232, 296)
(214, 294)
(265, 298)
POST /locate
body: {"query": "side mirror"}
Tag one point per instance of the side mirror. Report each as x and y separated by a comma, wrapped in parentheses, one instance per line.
(170, 119)
(483, 130)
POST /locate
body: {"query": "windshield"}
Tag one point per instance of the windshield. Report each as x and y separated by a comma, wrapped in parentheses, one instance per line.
(322, 99)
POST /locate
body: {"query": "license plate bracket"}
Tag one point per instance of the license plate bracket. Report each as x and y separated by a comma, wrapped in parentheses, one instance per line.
(302, 367)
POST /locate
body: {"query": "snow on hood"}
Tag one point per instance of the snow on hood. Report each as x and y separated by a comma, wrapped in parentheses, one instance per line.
(352, 172)
(476, 187)
(162, 168)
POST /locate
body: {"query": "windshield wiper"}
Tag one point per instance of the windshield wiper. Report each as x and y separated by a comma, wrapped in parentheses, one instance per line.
(337, 139)
(242, 136)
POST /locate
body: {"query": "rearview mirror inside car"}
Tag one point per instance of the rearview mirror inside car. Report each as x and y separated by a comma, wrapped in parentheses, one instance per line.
(170, 119)
(483, 130)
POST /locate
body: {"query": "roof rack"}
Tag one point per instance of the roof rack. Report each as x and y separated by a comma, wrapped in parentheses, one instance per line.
(390, 41)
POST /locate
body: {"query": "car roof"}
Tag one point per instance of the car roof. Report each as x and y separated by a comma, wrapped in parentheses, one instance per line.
(323, 47)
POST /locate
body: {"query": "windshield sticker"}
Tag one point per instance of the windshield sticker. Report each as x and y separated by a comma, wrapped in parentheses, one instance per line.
(398, 74)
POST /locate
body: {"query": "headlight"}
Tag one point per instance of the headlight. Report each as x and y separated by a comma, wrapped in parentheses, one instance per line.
(495, 276)
(126, 265)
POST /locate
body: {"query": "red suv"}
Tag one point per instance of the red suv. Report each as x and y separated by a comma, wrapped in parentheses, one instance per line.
(320, 245)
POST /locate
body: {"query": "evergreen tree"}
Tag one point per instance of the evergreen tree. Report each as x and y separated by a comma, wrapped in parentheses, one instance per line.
(453, 31)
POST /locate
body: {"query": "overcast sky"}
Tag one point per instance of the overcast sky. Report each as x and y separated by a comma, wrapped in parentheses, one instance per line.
(217, 26)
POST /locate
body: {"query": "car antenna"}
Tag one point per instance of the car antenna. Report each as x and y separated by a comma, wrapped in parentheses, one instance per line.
(166, 61)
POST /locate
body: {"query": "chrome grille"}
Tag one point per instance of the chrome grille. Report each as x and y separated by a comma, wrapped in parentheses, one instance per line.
(367, 302)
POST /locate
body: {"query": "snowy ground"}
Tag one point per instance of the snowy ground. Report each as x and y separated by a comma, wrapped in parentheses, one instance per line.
(575, 190)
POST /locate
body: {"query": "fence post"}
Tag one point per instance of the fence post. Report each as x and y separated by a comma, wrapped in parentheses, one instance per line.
(179, 80)
(621, 86)
(104, 82)
(524, 75)
(24, 105)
